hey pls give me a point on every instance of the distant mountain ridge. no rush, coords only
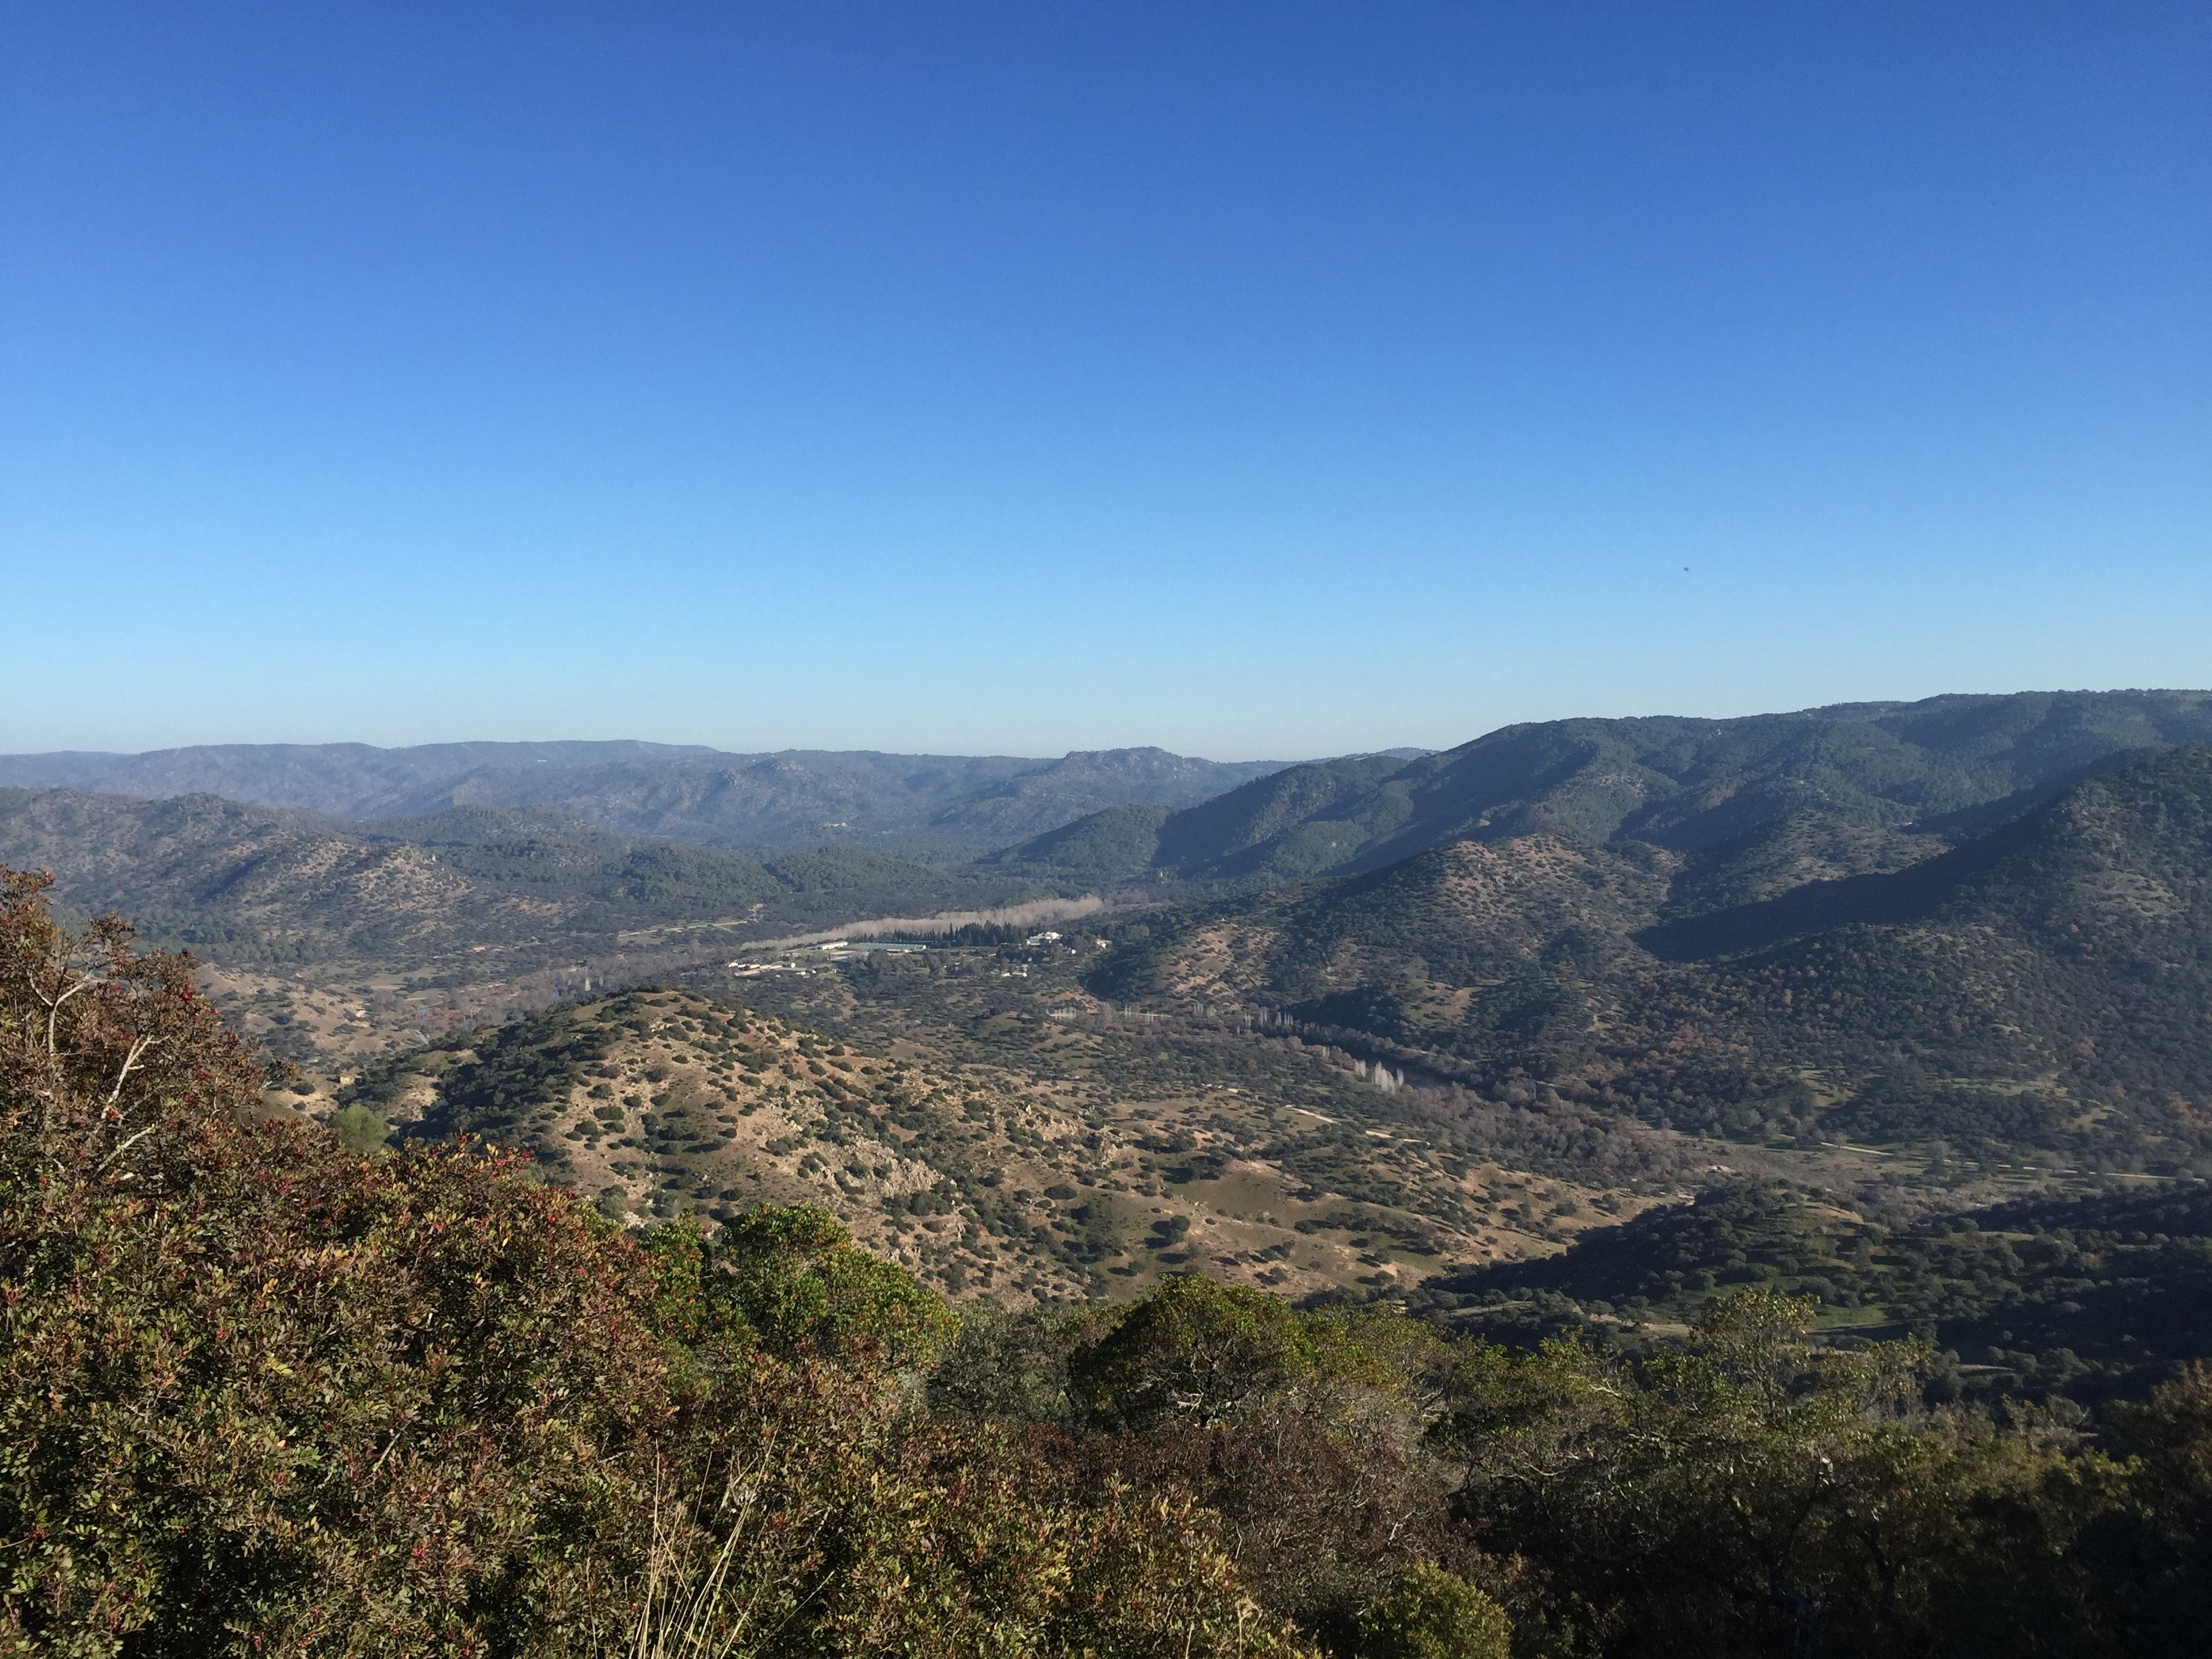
(256, 884)
(2044, 985)
(345, 780)
(1678, 783)
(943, 806)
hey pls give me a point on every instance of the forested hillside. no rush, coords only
(2087, 1298)
(1944, 765)
(2042, 988)
(248, 885)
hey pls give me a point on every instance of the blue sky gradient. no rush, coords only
(1254, 379)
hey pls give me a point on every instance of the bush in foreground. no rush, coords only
(261, 1394)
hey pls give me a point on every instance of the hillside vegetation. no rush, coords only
(246, 884)
(1944, 765)
(1023, 1165)
(2084, 1297)
(331, 938)
(2043, 987)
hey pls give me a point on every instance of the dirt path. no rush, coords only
(1013, 915)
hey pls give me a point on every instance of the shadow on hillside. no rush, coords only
(1816, 907)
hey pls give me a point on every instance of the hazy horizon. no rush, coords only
(1049, 754)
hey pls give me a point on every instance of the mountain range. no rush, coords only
(1985, 921)
(1949, 764)
(263, 885)
(2045, 984)
(935, 805)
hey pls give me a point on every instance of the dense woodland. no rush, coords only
(2080, 1299)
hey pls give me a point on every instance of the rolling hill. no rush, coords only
(2045, 985)
(1002, 1157)
(1952, 765)
(253, 885)
(944, 806)
(2087, 1295)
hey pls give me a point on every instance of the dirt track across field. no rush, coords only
(1013, 915)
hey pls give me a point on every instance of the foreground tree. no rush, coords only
(1430, 1614)
(261, 1394)
(1756, 1493)
(252, 1387)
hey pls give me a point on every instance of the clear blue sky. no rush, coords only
(1255, 379)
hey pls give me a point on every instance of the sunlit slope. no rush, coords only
(984, 1179)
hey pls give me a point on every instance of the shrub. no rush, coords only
(359, 1129)
(1433, 1614)
(254, 1386)
(260, 1393)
